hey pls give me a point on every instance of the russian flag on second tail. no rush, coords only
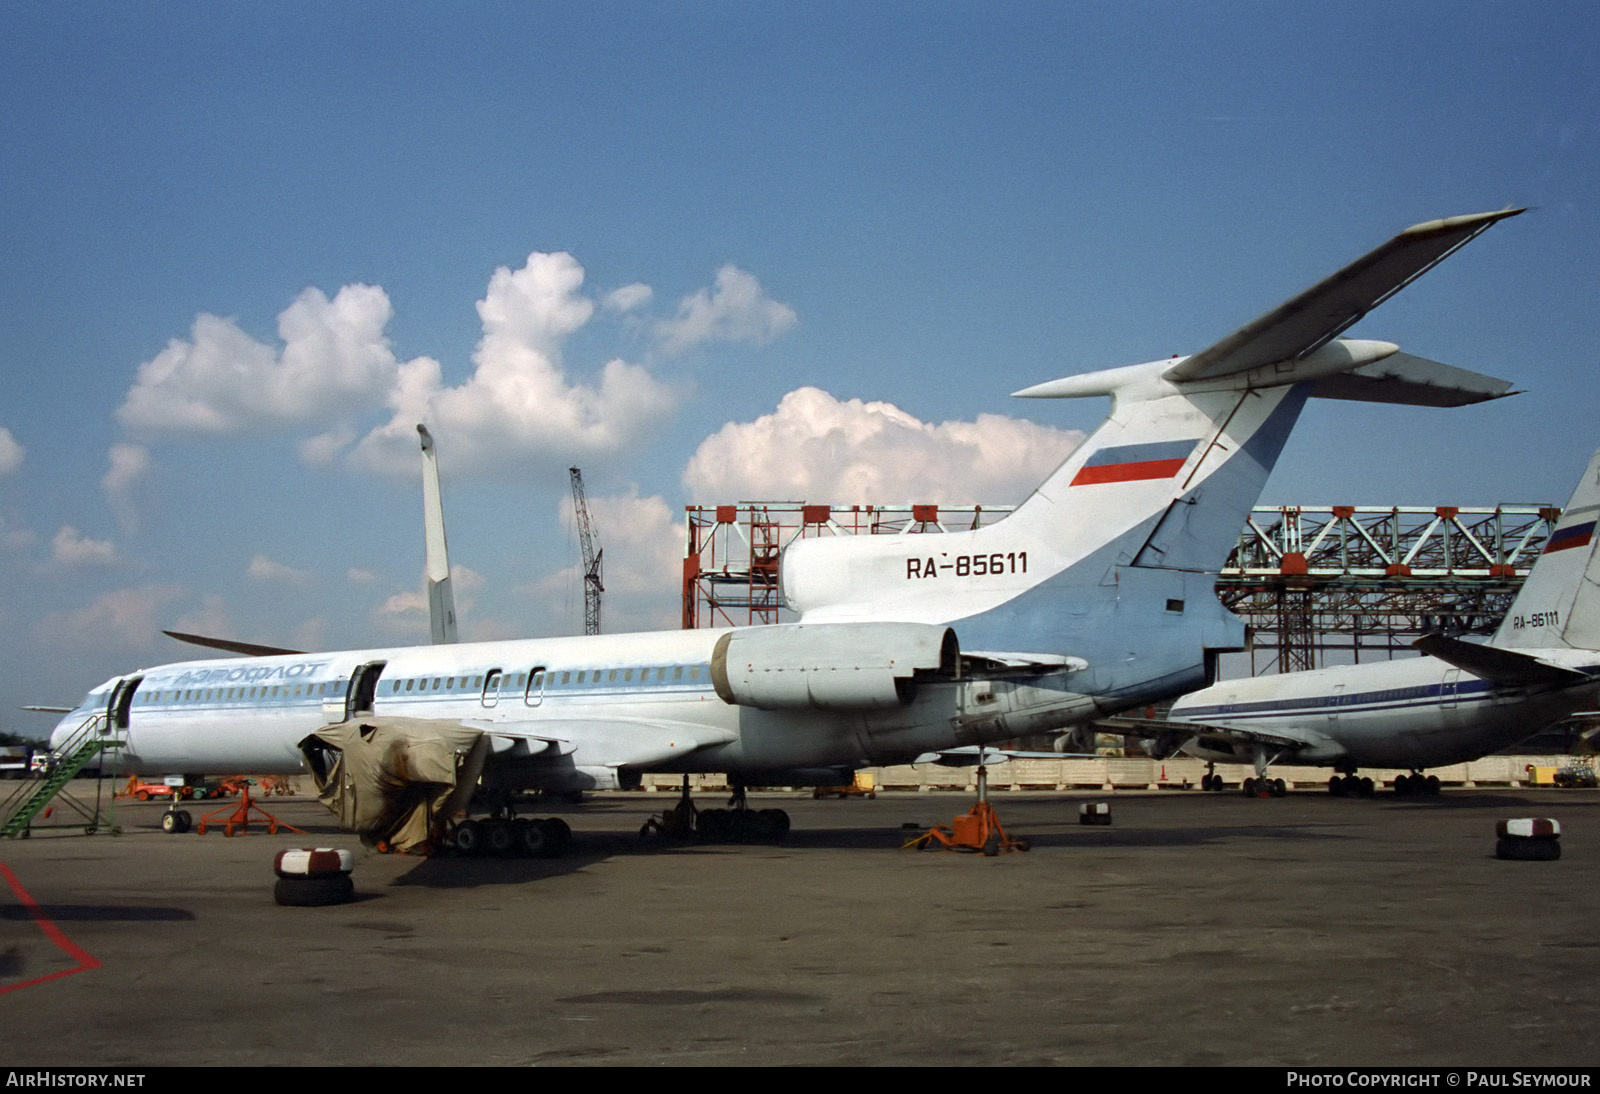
(1132, 462)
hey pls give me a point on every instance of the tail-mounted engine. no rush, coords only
(832, 666)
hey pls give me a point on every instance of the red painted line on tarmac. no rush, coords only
(85, 960)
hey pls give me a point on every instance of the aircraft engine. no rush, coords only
(831, 666)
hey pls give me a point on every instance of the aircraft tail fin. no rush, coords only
(441, 599)
(1559, 604)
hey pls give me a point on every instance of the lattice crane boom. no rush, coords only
(589, 539)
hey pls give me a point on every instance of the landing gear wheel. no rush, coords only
(1336, 786)
(498, 838)
(175, 822)
(1364, 787)
(1280, 789)
(469, 837)
(777, 822)
(532, 838)
(1432, 786)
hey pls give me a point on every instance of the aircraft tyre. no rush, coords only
(559, 833)
(532, 838)
(715, 825)
(311, 892)
(1336, 786)
(777, 822)
(469, 838)
(499, 838)
(176, 821)
(1279, 788)
(1364, 787)
(1527, 850)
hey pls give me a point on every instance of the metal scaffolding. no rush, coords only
(1315, 584)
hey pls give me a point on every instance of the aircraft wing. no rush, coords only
(973, 755)
(228, 644)
(1324, 311)
(1180, 732)
(1498, 665)
(624, 741)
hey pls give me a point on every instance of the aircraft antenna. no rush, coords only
(592, 552)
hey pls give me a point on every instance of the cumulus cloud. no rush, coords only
(628, 298)
(262, 568)
(123, 619)
(10, 452)
(519, 399)
(335, 359)
(643, 567)
(735, 309)
(127, 465)
(817, 448)
(69, 547)
(405, 613)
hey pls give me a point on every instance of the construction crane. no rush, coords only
(589, 538)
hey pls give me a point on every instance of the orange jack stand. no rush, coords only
(977, 830)
(237, 822)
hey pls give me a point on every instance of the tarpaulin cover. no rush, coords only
(388, 779)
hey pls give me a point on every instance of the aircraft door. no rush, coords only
(1334, 703)
(491, 689)
(363, 689)
(535, 693)
(119, 707)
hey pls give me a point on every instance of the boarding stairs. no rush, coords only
(89, 740)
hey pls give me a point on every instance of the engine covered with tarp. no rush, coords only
(390, 779)
(831, 666)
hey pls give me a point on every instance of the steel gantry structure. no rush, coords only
(1316, 584)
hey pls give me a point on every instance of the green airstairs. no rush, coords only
(88, 741)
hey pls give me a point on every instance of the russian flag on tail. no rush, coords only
(1574, 535)
(1132, 462)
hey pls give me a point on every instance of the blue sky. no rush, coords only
(244, 241)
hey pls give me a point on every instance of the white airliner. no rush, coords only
(1460, 702)
(1095, 595)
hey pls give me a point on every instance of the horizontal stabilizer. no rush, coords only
(1501, 666)
(250, 648)
(1415, 381)
(42, 709)
(1321, 313)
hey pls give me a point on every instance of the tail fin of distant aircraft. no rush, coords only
(441, 600)
(1559, 604)
(1111, 561)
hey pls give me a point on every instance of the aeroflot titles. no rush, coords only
(248, 675)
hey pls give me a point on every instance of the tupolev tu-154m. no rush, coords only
(1093, 596)
(1460, 701)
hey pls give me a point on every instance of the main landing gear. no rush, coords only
(1349, 785)
(1264, 787)
(1211, 780)
(736, 824)
(1417, 785)
(513, 837)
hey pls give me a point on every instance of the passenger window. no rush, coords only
(613, 677)
(694, 673)
(566, 677)
(627, 677)
(677, 673)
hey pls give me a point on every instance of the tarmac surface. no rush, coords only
(1196, 929)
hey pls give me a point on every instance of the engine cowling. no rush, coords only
(831, 666)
